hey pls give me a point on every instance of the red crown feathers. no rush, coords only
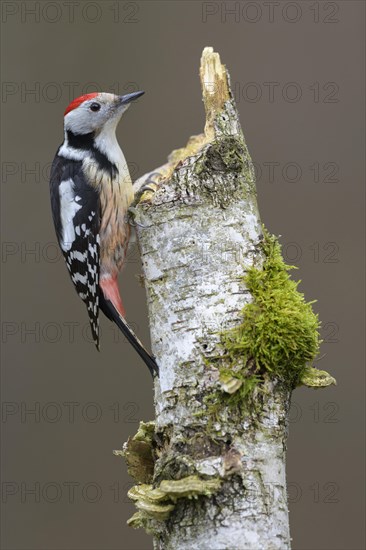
(79, 100)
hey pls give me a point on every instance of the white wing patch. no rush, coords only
(81, 256)
(68, 209)
(78, 278)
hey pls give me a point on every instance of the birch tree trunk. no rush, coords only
(210, 472)
(214, 483)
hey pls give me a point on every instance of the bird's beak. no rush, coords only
(124, 99)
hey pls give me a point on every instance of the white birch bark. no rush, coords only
(197, 235)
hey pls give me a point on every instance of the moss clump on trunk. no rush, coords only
(278, 337)
(279, 331)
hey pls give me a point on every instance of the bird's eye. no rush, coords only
(95, 107)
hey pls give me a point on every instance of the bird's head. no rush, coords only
(94, 112)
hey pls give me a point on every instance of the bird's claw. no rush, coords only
(143, 195)
(149, 186)
(148, 190)
(132, 212)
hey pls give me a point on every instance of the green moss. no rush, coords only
(277, 338)
(280, 331)
(239, 390)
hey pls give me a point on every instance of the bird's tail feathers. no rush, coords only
(112, 313)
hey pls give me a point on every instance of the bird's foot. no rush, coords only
(148, 190)
(144, 190)
(146, 186)
(132, 216)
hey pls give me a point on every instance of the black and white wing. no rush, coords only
(76, 215)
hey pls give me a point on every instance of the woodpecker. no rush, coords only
(91, 191)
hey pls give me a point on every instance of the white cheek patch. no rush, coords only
(68, 209)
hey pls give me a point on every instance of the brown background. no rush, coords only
(156, 46)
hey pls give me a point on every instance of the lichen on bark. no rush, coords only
(213, 481)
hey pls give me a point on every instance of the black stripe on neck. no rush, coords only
(86, 143)
(80, 141)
